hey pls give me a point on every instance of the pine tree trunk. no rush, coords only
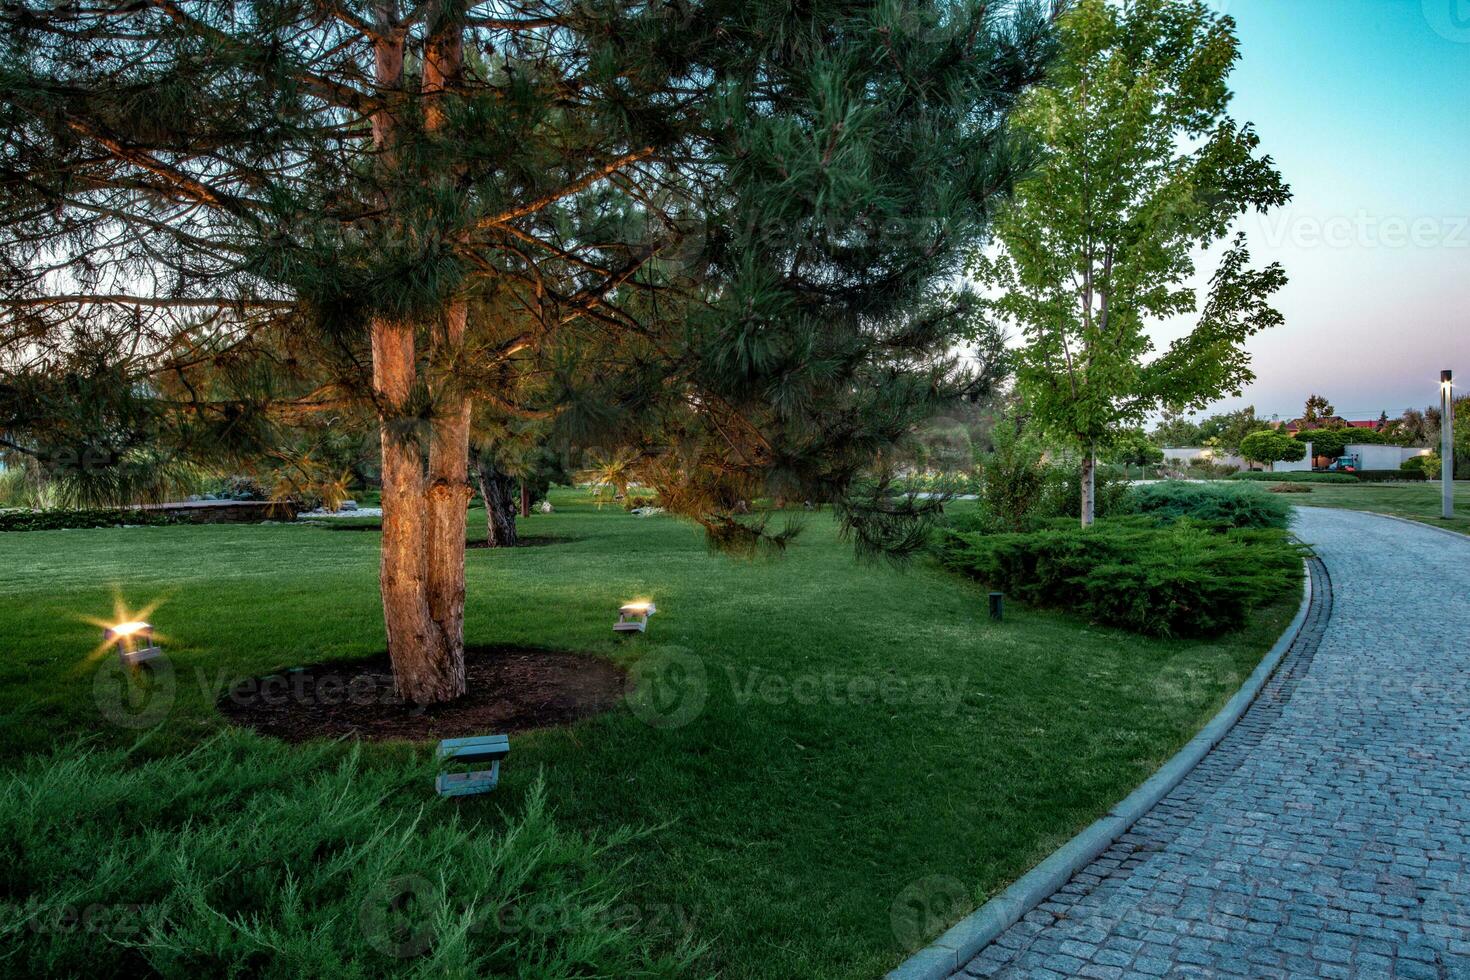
(424, 511)
(499, 493)
(1089, 487)
(421, 569)
(525, 500)
(448, 505)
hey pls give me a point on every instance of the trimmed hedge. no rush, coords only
(1213, 504)
(1181, 580)
(1378, 476)
(57, 520)
(1293, 476)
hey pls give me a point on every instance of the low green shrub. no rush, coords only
(1290, 488)
(939, 483)
(247, 857)
(1012, 481)
(1062, 492)
(1386, 476)
(1204, 469)
(1019, 491)
(1214, 504)
(1177, 580)
(1294, 476)
(56, 520)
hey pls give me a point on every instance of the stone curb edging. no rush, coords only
(964, 940)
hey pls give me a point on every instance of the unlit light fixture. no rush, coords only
(476, 748)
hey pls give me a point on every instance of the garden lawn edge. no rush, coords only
(962, 941)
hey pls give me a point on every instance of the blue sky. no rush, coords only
(1365, 106)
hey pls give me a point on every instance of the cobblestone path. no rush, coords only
(1328, 835)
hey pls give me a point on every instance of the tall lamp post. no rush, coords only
(1447, 442)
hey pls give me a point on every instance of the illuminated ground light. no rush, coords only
(633, 616)
(134, 642)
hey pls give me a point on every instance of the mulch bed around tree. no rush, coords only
(509, 689)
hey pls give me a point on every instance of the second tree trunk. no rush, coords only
(500, 494)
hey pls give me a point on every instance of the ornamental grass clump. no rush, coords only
(247, 857)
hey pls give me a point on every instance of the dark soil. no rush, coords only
(509, 689)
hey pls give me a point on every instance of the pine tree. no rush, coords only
(728, 222)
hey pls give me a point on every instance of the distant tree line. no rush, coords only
(1319, 424)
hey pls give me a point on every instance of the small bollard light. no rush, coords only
(134, 640)
(633, 617)
(997, 606)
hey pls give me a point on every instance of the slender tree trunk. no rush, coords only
(1089, 486)
(499, 493)
(448, 501)
(525, 500)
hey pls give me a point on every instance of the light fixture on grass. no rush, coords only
(476, 748)
(633, 617)
(134, 641)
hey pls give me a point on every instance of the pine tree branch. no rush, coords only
(560, 253)
(503, 24)
(16, 447)
(191, 187)
(591, 296)
(120, 299)
(580, 184)
(332, 92)
(347, 17)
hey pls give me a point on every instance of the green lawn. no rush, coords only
(862, 728)
(1416, 501)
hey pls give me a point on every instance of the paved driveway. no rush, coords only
(1329, 833)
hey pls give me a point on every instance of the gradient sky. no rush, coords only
(1365, 106)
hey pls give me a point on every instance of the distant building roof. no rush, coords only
(1331, 422)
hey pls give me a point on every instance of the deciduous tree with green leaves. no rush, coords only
(1267, 447)
(1330, 443)
(1229, 429)
(1133, 448)
(1141, 166)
